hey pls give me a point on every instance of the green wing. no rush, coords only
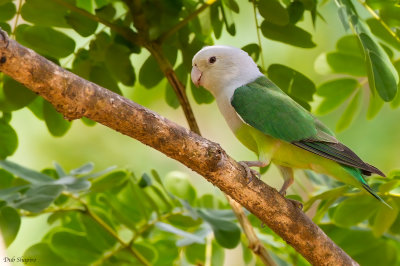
(264, 106)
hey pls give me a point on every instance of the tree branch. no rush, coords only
(75, 97)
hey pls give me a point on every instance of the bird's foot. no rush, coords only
(250, 173)
(296, 203)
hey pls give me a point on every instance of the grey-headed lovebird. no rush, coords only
(271, 124)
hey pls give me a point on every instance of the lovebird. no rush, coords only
(271, 124)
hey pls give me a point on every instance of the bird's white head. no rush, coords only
(218, 67)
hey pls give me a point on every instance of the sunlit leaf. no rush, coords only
(335, 92)
(25, 173)
(45, 40)
(81, 24)
(55, 122)
(51, 13)
(179, 185)
(119, 64)
(273, 12)
(355, 210)
(384, 218)
(74, 247)
(9, 224)
(44, 255)
(226, 233)
(350, 112)
(8, 140)
(289, 34)
(7, 11)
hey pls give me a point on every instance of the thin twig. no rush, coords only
(258, 35)
(387, 28)
(111, 231)
(255, 244)
(17, 18)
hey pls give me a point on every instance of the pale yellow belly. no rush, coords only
(279, 152)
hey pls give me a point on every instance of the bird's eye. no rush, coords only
(212, 59)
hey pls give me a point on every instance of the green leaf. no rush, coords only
(84, 169)
(100, 75)
(44, 255)
(55, 122)
(16, 94)
(167, 252)
(296, 11)
(226, 232)
(6, 27)
(106, 182)
(7, 11)
(44, 13)
(228, 21)
(36, 107)
(218, 254)
(384, 218)
(73, 184)
(195, 254)
(25, 173)
(391, 15)
(183, 221)
(119, 64)
(232, 5)
(295, 84)
(380, 77)
(362, 246)
(350, 112)
(170, 96)
(289, 34)
(349, 44)
(188, 236)
(38, 198)
(179, 185)
(74, 247)
(81, 24)
(98, 237)
(6, 179)
(355, 210)
(253, 50)
(201, 95)
(344, 63)
(147, 251)
(8, 140)
(380, 31)
(335, 92)
(86, 5)
(107, 12)
(46, 41)
(273, 12)
(9, 224)
(216, 22)
(150, 73)
(375, 105)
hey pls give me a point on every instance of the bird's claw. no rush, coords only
(250, 173)
(296, 203)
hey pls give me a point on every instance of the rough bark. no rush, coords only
(75, 97)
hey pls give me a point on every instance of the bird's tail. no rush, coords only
(357, 174)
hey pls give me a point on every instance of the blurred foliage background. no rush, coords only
(340, 57)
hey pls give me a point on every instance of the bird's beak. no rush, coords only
(196, 76)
